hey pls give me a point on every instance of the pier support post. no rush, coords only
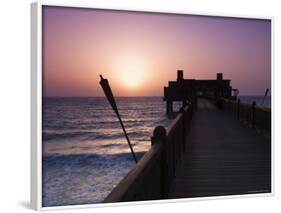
(253, 114)
(183, 103)
(169, 107)
(183, 127)
(160, 136)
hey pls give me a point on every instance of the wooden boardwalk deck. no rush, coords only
(223, 157)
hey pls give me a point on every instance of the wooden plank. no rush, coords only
(222, 157)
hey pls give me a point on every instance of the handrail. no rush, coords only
(176, 120)
(174, 124)
(123, 190)
(151, 177)
(255, 116)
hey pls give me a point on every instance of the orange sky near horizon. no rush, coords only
(140, 52)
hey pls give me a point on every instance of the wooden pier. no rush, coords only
(223, 157)
(215, 146)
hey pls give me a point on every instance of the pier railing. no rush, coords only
(151, 177)
(250, 114)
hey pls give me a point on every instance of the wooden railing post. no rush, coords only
(238, 109)
(160, 136)
(183, 127)
(253, 114)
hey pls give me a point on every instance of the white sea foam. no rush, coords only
(82, 179)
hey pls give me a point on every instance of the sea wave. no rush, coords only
(88, 159)
(82, 179)
(82, 136)
(85, 152)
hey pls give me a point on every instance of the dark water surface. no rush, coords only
(85, 153)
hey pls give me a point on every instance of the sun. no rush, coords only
(132, 77)
(132, 82)
(132, 72)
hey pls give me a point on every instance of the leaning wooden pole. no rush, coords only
(109, 95)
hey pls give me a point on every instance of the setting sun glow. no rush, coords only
(140, 52)
(132, 72)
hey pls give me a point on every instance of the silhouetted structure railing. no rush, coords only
(250, 114)
(151, 177)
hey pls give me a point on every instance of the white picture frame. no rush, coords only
(36, 100)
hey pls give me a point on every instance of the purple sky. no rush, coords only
(140, 52)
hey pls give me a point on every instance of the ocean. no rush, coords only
(85, 153)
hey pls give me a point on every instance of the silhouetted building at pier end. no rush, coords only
(186, 90)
